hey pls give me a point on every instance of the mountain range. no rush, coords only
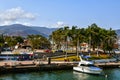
(118, 32)
(23, 30)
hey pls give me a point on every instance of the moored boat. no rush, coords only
(87, 67)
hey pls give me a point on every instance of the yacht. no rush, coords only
(87, 67)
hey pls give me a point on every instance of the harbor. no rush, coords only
(32, 66)
(113, 74)
(35, 66)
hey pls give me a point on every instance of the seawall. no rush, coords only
(34, 67)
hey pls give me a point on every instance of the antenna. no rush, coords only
(81, 58)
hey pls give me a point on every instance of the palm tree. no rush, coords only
(65, 36)
(109, 40)
(73, 36)
(96, 37)
(77, 36)
(80, 38)
(60, 36)
(93, 33)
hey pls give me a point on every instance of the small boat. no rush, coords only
(87, 67)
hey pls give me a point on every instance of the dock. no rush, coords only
(37, 66)
(32, 66)
(108, 65)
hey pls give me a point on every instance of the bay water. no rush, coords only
(111, 74)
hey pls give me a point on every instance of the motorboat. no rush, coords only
(87, 67)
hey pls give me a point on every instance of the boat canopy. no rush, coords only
(86, 62)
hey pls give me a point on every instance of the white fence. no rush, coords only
(104, 60)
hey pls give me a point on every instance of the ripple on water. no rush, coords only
(113, 74)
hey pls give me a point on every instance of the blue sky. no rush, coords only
(57, 13)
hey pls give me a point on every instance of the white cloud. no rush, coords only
(59, 24)
(15, 14)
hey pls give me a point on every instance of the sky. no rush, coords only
(59, 13)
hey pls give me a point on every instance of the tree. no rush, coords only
(19, 39)
(57, 37)
(93, 32)
(66, 36)
(109, 39)
(96, 37)
(38, 42)
(1, 40)
(73, 35)
(10, 41)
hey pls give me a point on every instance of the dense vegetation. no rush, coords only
(97, 37)
(38, 42)
(35, 41)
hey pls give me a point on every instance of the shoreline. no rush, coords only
(32, 66)
(22, 69)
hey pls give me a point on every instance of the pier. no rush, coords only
(108, 65)
(35, 66)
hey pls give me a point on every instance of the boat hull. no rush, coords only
(87, 70)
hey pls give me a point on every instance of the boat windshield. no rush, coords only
(89, 65)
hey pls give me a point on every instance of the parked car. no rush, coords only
(47, 51)
(61, 51)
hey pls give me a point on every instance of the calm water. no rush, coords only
(113, 74)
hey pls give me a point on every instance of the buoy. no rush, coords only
(106, 75)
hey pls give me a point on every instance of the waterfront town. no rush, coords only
(60, 52)
(59, 40)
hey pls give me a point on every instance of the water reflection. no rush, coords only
(113, 74)
(84, 76)
(80, 76)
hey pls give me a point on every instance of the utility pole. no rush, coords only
(78, 47)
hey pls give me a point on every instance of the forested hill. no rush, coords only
(118, 32)
(23, 30)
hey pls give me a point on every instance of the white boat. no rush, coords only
(87, 67)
